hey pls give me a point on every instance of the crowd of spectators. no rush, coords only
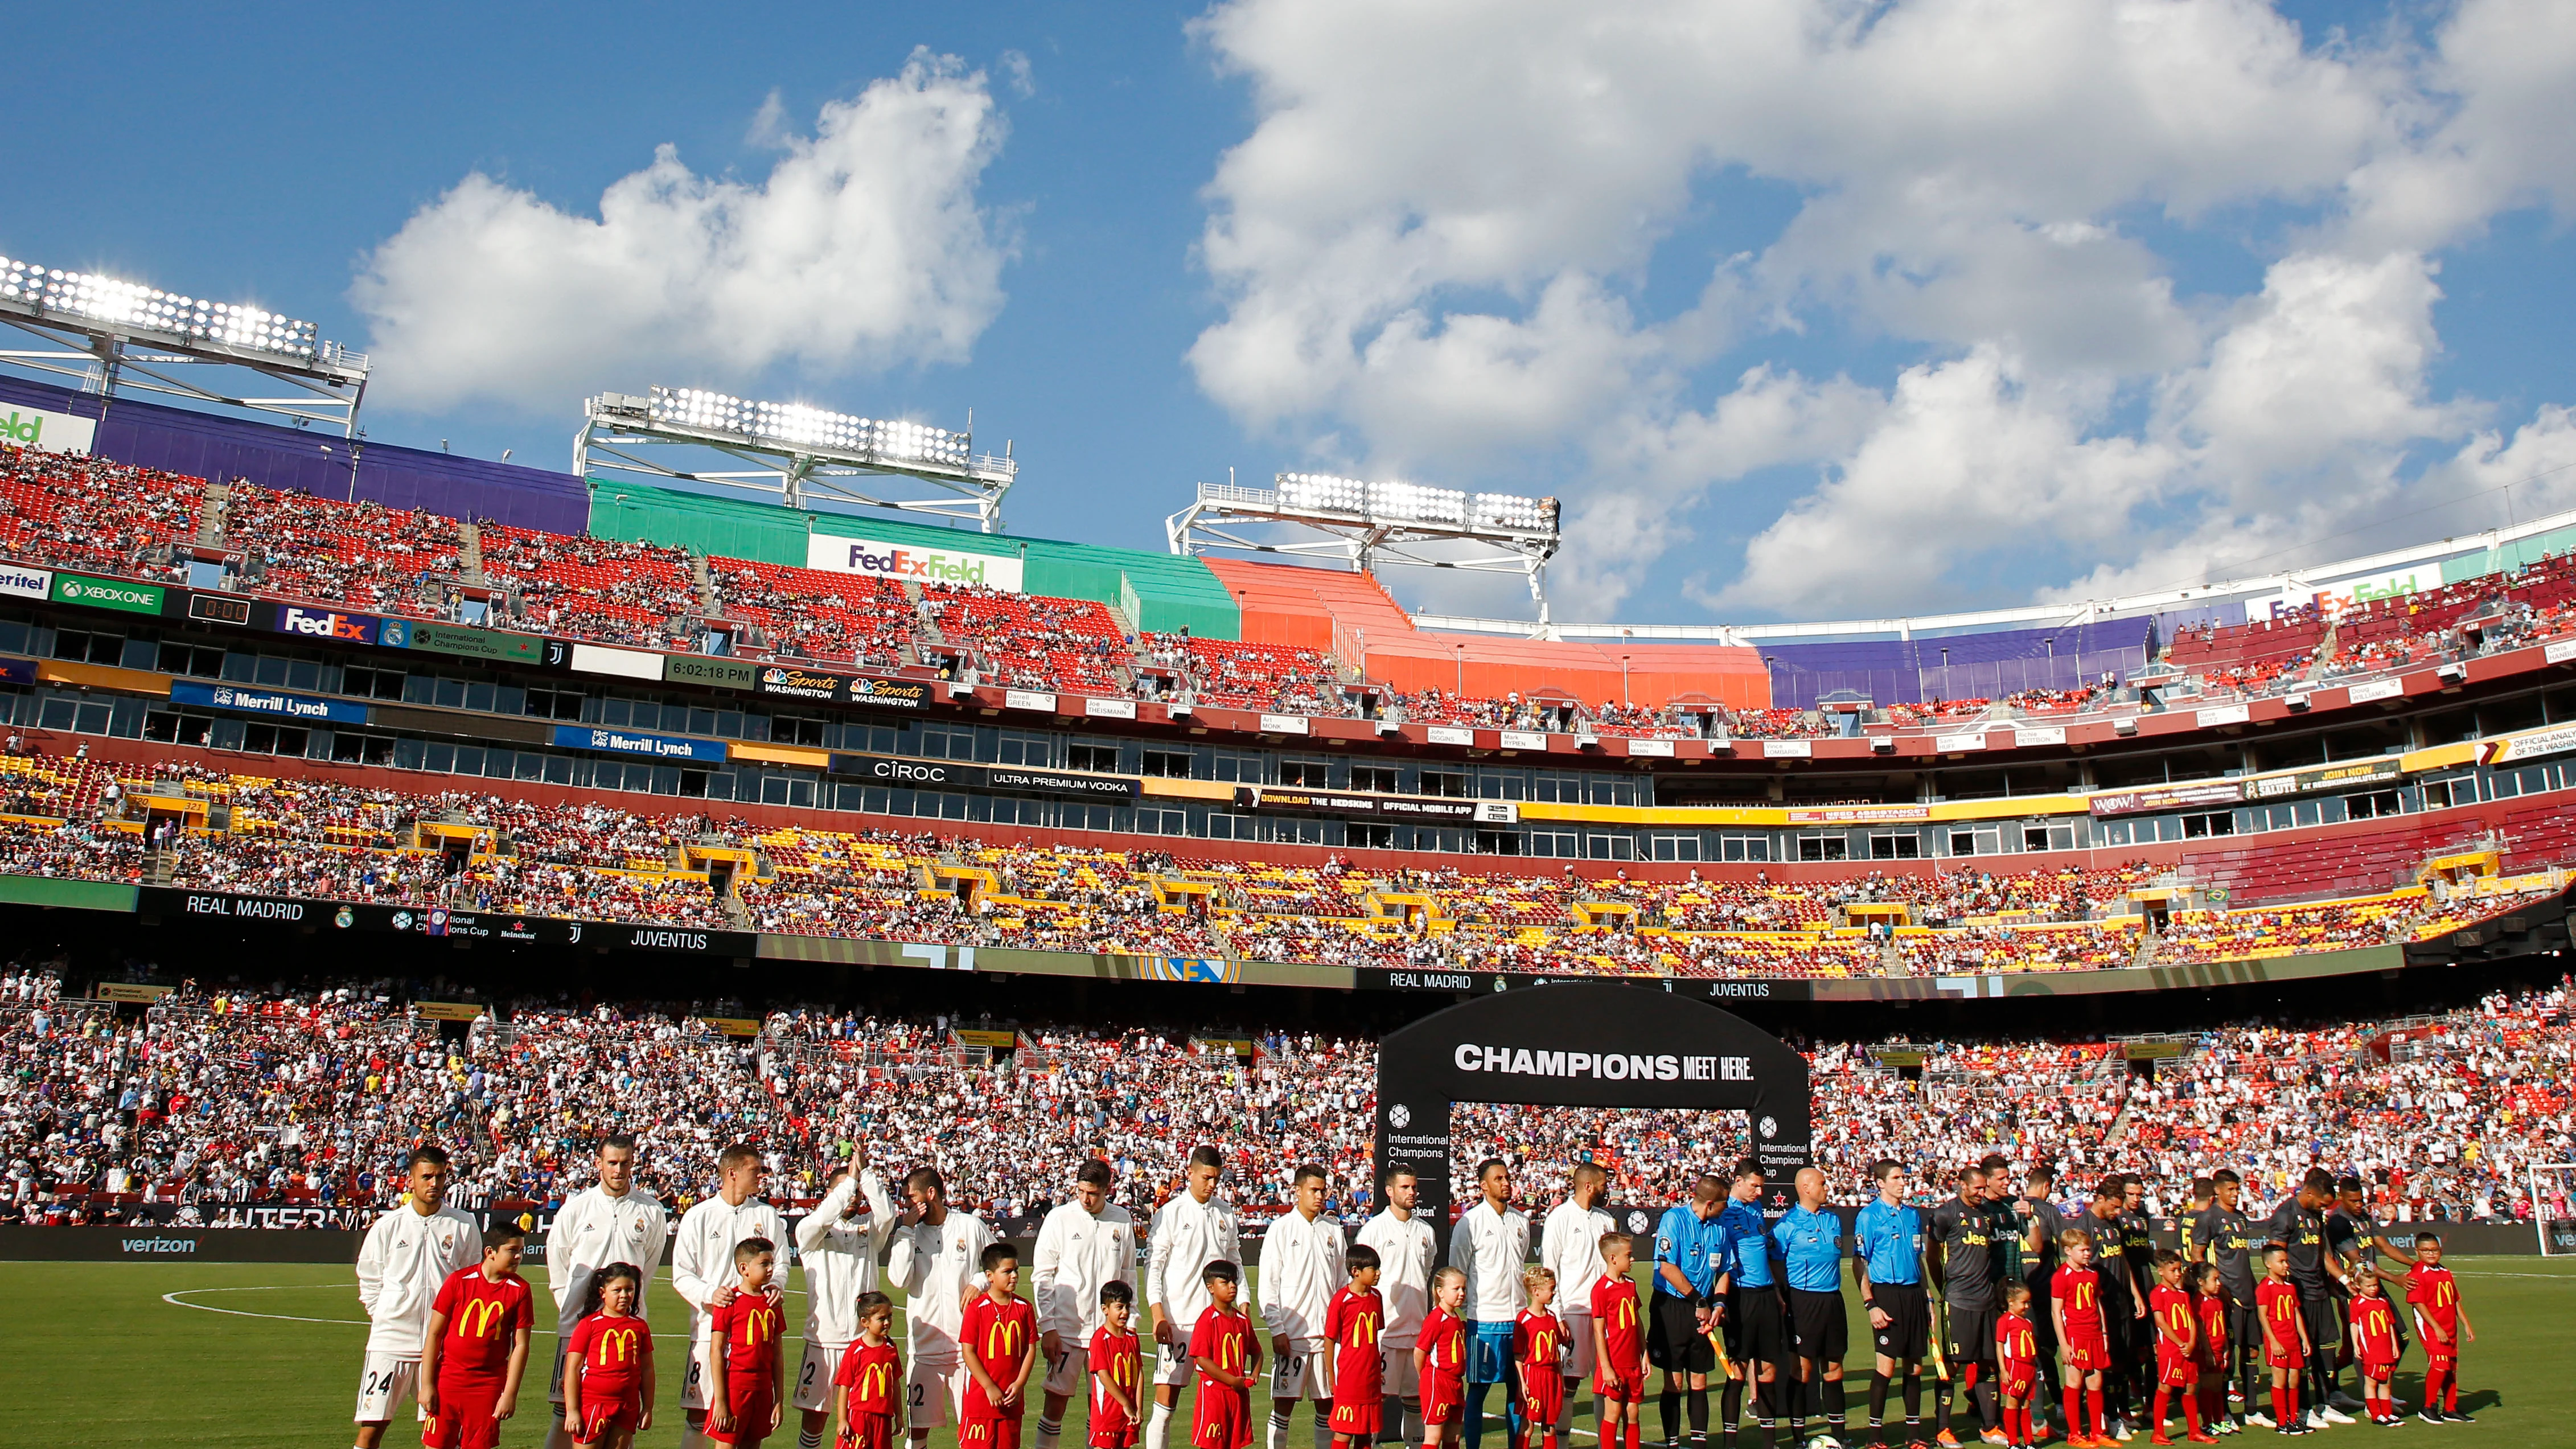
(235, 1093)
(359, 554)
(68, 510)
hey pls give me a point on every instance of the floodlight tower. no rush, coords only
(796, 452)
(114, 336)
(1367, 524)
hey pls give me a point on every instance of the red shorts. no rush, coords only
(1356, 1417)
(1222, 1417)
(465, 1419)
(994, 1432)
(2018, 1383)
(752, 1399)
(1542, 1394)
(1110, 1431)
(2175, 1369)
(2288, 1355)
(2378, 1369)
(2087, 1352)
(1630, 1390)
(1444, 1397)
(607, 1408)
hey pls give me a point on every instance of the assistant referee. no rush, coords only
(1690, 1253)
(1888, 1269)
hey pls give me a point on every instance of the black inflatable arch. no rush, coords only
(1586, 1044)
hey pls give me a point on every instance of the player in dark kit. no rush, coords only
(1963, 1263)
(2225, 1238)
(2041, 1222)
(2299, 1226)
(2123, 1299)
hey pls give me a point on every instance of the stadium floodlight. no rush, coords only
(1367, 523)
(114, 321)
(797, 450)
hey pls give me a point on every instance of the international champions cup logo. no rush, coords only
(1398, 1116)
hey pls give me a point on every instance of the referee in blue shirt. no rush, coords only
(1889, 1272)
(1752, 1320)
(1690, 1256)
(1811, 1248)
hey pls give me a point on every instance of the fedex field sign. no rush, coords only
(908, 562)
(47, 432)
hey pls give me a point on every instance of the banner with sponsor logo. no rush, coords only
(130, 991)
(2512, 749)
(463, 641)
(27, 427)
(332, 624)
(438, 921)
(1273, 800)
(2167, 797)
(2335, 777)
(1856, 814)
(890, 693)
(21, 582)
(794, 683)
(742, 1027)
(679, 749)
(276, 703)
(17, 671)
(1000, 1041)
(912, 562)
(100, 593)
(911, 774)
(467, 1011)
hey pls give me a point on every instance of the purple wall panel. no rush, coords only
(1978, 665)
(205, 445)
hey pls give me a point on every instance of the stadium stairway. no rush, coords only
(469, 554)
(210, 515)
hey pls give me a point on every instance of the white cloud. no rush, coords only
(1429, 250)
(863, 249)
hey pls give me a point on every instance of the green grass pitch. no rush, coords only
(106, 1354)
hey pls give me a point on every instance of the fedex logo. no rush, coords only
(903, 563)
(326, 624)
(885, 559)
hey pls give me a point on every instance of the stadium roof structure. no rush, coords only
(114, 336)
(801, 454)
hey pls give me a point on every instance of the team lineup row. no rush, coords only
(2024, 1300)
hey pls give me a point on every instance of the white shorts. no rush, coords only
(1069, 1373)
(1299, 1373)
(935, 1394)
(555, 1385)
(1399, 1381)
(693, 1384)
(1578, 1345)
(814, 1376)
(1172, 1363)
(383, 1384)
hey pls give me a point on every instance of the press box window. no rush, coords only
(364, 682)
(1905, 845)
(1306, 774)
(1168, 764)
(1380, 778)
(1823, 847)
(1445, 784)
(2195, 827)
(1676, 847)
(1099, 759)
(2049, 837)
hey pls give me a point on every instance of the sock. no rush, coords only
(2074, 1408)
(1049, 1430)
(2163, 1409)
(1565, 1409)
(2451, 1392)
(1766, 1404)
(1324, 1427)
(1913, 1394)
(1632, 1427)
(1597, 1420)
(1877, 1398)
(2190, 1414)
(1670, 1401)
(806, 1439)
(1699, 1416)
(691, 1437)
(1834, 1405)
(1158, 1426)
(1941, 1389)
(2093, 1410)
(1414, 1430)
(1730, 1407)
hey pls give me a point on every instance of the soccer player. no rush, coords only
(1538, 1350)
(746, 1372)
(1354, 1330)
(1301, 1269)
(1227, 1355)
(1964, 1268)
(2075, 1302)
(611, 1221)
(838, 1243)
(1751, 1317)
(2225, 1238)
(867, 1388)
(1689, 1249)
(608, 1388)
(1000, 1338)
(2375, 1347)
(1440, 1357)
(1618, 1345)
(2209, 1308)
(2177, 1351)
(2285, 1338)
(1191, 1230)
(1405, 1246)
(1491, 1242)
(410, 1252)
(706, 1270)
(1887, 1267)
(2442, 1323)
(2138, 1252)
(480, 1328)
(1810, 1239)
(1083, 1246)
(2016, 1364)
(2354, 1238)
(2299, 1226)
(1569, 1243)
(2040, 1220)
(1117, 1372)
(2123, 1298)
(933, 1261)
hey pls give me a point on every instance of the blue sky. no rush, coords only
(1808, 311)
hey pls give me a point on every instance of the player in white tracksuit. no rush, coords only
(1191, 1230)
(611, 1221)
(837, 1242)
(702, 1270)
(409, 1251)
(938, 1262)
(1301, 1269)
(1082, 1245)
(1406, 1248)
(1569, 1245)
(1490, 1243)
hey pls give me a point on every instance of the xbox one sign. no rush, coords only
(46, 432)
(912, 563)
